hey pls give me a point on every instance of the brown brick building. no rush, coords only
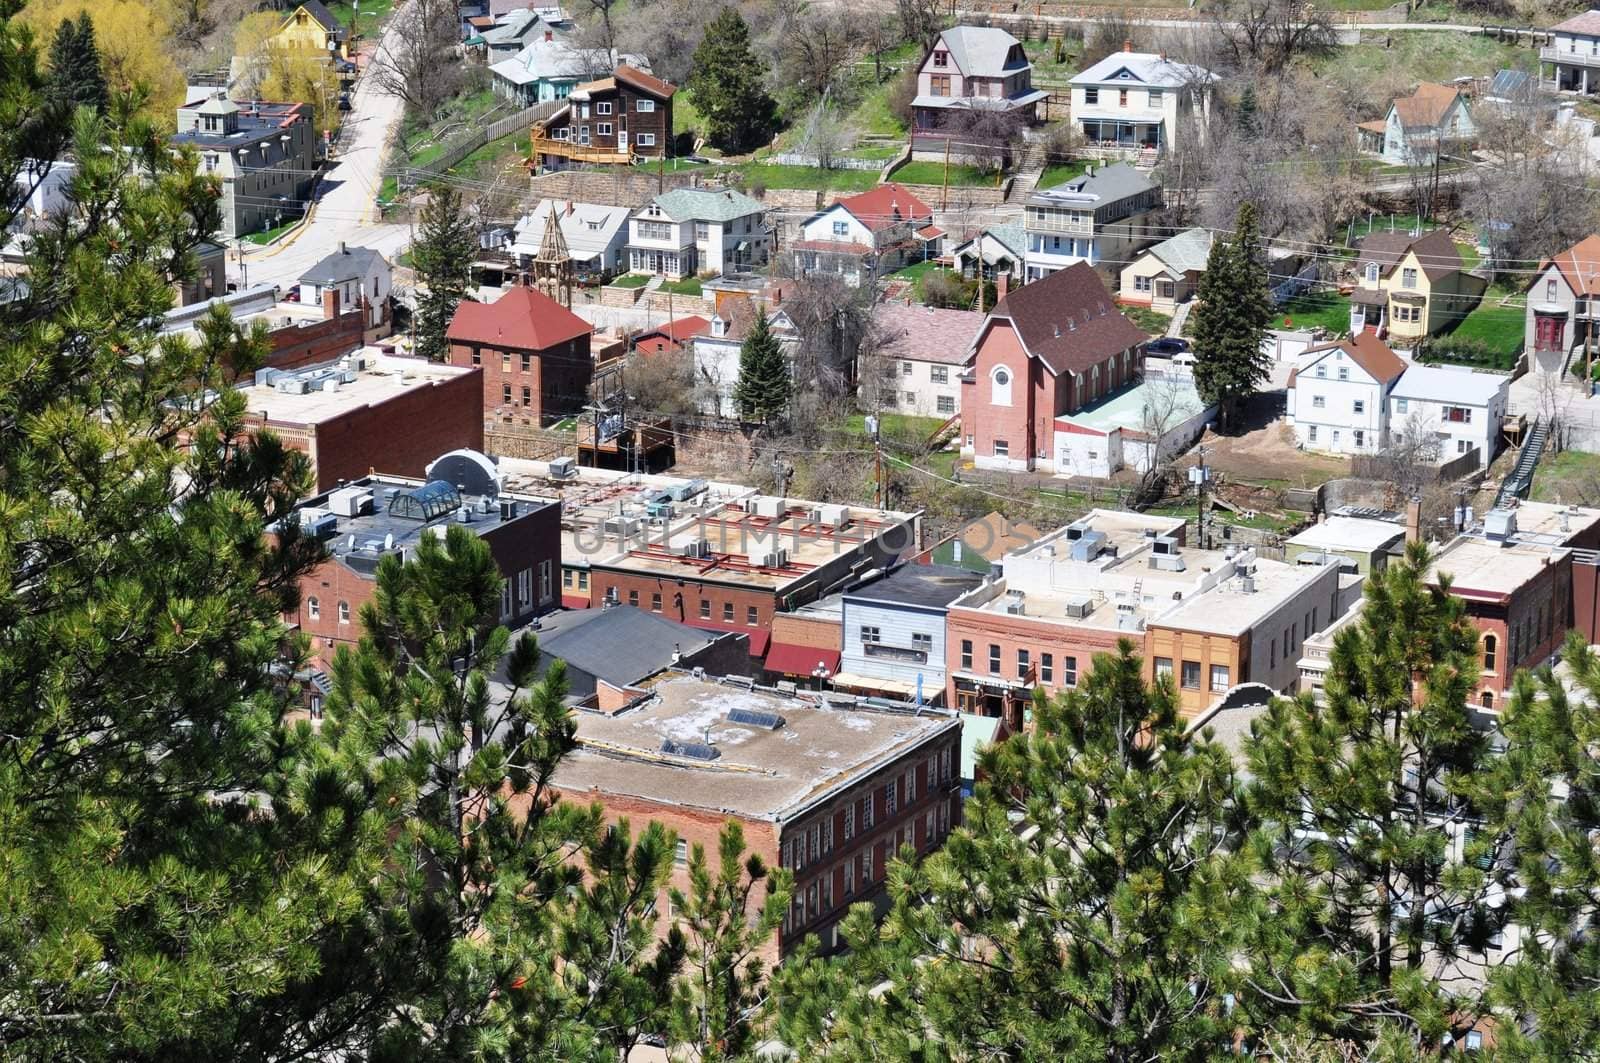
(612, 120)
(533, 351)
(830, 791)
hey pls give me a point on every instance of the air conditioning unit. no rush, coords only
(770, 507)
(1016, 607)
(775, 559)
(318, 523)
(1165, 544)
(563, 469)
(834, 516)
(625, 527)
(1078, 606)
(695, 548)
(290, 385)
(685, 491)
(350, 501)
(508, 509)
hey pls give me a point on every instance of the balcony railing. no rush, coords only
(1553, 54)
(1052, 223)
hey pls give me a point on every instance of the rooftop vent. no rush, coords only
(1078, 606)
(767, 721)
(563, 469)
(692, 750)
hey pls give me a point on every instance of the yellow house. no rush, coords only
(312, 28)
(1411, 287)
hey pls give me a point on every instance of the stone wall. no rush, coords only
(509, 440)
(612, 186)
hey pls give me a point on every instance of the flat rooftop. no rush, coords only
(1349, 533)
(1489, 569)
(1237, 603)
(758, 773)
(1553, 523)
(927, 586)
(1164, 401)
(334, 388)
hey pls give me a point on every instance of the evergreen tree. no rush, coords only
(1231, 319)
(1085, 911)
(726, 925)
(1546, 790)
(1248, 117)
(158, 871)
(727, 85)
(763, 389)
(447, 242)
(1381, 899)
(77, 78)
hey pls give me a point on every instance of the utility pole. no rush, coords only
(944, 191)
(880, 492)
(1199, 476)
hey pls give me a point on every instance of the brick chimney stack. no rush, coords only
(330, 303)
(1127, 44)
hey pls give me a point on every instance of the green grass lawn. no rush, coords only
(769, 175)
(933, 173)
(489, 160)
(902, 426)
(687, 286)
(875, 152)
(1469, 255)
(685, 116)
(914, 272)
(1423, 55)
(1501, 328)
(669, 165)
(366, 22)
(1382, 223)
(1328, 309)
(1058, 172)
(269, 235)
(631, 280)
(1570, 476)
(1152, 321)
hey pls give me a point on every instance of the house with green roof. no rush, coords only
(690, 231)
(1168, 273)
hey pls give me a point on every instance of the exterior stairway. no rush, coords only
(1516, 485)
(1028, 171)
(1179, 316)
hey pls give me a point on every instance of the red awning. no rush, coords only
(787, 659)
(759, 637)
(575, 601)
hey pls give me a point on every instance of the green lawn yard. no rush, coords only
(1326, 308)
(934, 173)
(1499, 327)
(1152, 321)
(687, 286)
(1058, 172)
(269, 235)
(366, 21)
(768, 175)
(1570, 476)
(631, 280)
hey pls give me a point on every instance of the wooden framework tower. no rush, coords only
(552, 266)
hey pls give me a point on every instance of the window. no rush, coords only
(680, 855)
(1155, 97)
(1001, 449)
(1400, 405)
(849, 877)
(1318, 402)
(966, 655)
(841, 228)
(727, 612)
(705, 608)
(945, 404)
(939, 374)
(1091, 96)
(316, 707)
(752, 616)
(603, 107)
(702, 230)
(866, 812)
(655, 602)
(994, 658)
(1489, 646)
(890, 793)
(1219, 678)
(1322, 370)
(583, 579)
(1163, 666)
(940, 58)
(505, 394)
(1141, 284)
(525, 587)
(1358, 406)
(1408, 278)
(1047, 667)
(1191, 675)
(1000, 386)
(313, 608)
(939, 85)
(1069, 671)
(1361, 438)
(869, 635)
(1458, 414)
(1550, 291)
(527, 396)
(1311, 434)
(1022, 664)
(505, 361)
(1122, 97)
(527, 362)
(645, 140)
(1372, 273)
(505, 599)
(633, 598)
(908, 397)
(1344, 372)
(546, 580)
(922, 642)
(477, 356)
(344, 612)
(644, 106)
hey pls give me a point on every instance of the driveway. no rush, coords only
(345, 200)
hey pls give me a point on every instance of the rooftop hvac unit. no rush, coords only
(1165, 544)
(685, 491)
(289, 385)
(658, 510)
(464, 514)
(1087, 546)
(1015, 607)
(1079, 606)
(563, 469)
(1500, 524)
(775, 559)
(508, 509)
(626, 527)
(350, 501)
(1168, 562)
(695, 548)
(834, 516)
(766, 506)
(318, 523)
(1076, 530)
(1248, 584)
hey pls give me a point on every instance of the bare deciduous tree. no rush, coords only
(1267, 34)
(921, 20)
(833, 320)
(424, 67)
(821, 44)
(983, 132)
(661, 383)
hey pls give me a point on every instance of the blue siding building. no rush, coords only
(894, 631)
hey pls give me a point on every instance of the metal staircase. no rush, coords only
(1517, 484)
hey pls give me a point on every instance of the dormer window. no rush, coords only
(1372, 273)
(940, 59)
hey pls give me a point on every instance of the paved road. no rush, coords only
(345, 205)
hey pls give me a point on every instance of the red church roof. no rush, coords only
(523, 319)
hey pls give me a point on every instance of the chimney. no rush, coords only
(1414, 519)
(570, 208)
(1163, 54)
(1002, 284)
(342, 251)
(549, 36)
(330, 303)
(1127, 45)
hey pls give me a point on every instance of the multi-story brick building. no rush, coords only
(374, 517)
(369, 411)
(823, 785)
(1048, 349)
(534, 353)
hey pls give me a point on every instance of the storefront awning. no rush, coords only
(788, 659)
(896, 687)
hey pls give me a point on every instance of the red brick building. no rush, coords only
(831, 793)
(370, 411)
(673, 336)
(1048, 349)
(533, 351)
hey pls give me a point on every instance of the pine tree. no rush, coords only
(1231, 319)
(77, 78)
(1086, 911)
(726, 924)
(1380, 909)
(763, 389)
(727, 85)
(1546, 790)
(158, 875)
(1248, 117)
(442, 258)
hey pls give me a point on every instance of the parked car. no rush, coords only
(1167, 345)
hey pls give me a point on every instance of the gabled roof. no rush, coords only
(885, 205)
(1013, 237)
(1587, 23)
(1187, 252)
(1436, 252)
(699, 204)
(1365, 350)
(317, 10)
(559, 59)
(1579, 266)
(926, 334)
(1454, 385)
(522, 319)
(589, 228)
(1068, 321)
(1427, 106)
(647, 83)
(677, 330)
(981, 51)
(347, 263)
(1146, 68)
(620, 645)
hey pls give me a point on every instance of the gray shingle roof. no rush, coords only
(1187, 251)
(699, 204)
(980, 50)
(620, 645)
(1146, 68)
(349, 263)
(1107, 184)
